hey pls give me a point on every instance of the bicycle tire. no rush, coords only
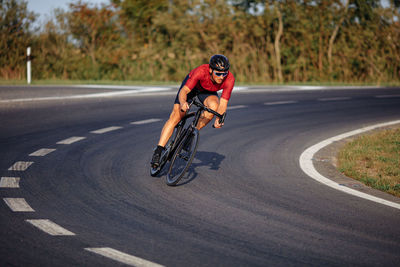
(164, 158)
(183, 157)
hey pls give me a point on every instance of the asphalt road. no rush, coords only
(246, 201)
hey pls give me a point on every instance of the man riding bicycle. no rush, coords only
(203, 82)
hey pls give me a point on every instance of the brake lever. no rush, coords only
(221, 120)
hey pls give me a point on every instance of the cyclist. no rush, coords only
(203, 81)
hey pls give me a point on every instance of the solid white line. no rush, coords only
(117, 87)
(387, 96)
(240, 88)
(18, 205)
(306, 164)
(236, 107)
(279, 103)
(108, 94)
(309, 87)
(70, 140)
(145, 121)
(50, 227)
(20, 166)
(334, 98)
(9, 182)
(123, 257)
(42, 152)
(106, 130)
(153, 89)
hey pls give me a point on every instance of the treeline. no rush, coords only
(266, 41)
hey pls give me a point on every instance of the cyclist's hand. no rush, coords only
(217, 124)
(184, 107)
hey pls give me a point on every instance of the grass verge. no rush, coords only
(374, 159)
(238, 83)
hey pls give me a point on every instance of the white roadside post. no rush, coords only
(28, 64)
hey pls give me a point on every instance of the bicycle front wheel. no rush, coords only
(183, 157)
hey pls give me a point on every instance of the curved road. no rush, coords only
(81, 188)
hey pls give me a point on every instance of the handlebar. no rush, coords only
(200, 105)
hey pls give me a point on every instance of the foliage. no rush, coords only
(265, 40)
(15, 37)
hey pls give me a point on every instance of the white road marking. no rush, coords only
(145, 121)
(154, 89)
(108, 94)
(387, 96)
(70, 140)
(279, 103)
(106, 130)
(240, 88)
(9, 182)
(50, 227)
(309, 87)
(123, 257)
(20, 166)
(306, 164)
(236, 107)
(18, 205)
(124, 87)
(334, 98)
(42, 152)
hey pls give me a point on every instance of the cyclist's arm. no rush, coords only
(223, 105)
(183, 98)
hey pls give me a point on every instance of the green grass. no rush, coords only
(238, 83)
(79, 82)
(374, 159)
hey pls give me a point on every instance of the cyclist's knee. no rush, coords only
(176, 116)
(207, 115)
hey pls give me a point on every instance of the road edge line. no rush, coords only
(307, 165)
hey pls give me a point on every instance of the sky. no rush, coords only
(45, 7)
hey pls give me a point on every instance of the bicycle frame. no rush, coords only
(181, 131)
(197, 115)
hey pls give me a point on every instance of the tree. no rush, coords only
(15, 37)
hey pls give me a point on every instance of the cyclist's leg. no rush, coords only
(212, 101)
(174, 118)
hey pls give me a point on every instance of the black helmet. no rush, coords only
(219, 62)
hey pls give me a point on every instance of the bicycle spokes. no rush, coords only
(183, 157)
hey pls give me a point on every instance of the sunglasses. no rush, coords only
(223, 74)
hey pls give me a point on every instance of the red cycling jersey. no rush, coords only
(199, 78)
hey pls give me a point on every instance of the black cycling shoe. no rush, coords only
(155, 160)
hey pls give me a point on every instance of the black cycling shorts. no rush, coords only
(201, 95)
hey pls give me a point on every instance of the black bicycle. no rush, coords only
(182, 147)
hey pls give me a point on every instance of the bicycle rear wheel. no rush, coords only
(183, 157)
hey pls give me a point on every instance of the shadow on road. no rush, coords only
(202, 159)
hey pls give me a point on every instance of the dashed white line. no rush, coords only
(70, 140)
(50, 227)
(279, 103)
(334, 98)
(42, 152)
(106, 130)
(20, 166)
(306, 164)
(18, 205)
(123, 257)
(9, 182)
(387, 96)
(236, 107)
(145, 121)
